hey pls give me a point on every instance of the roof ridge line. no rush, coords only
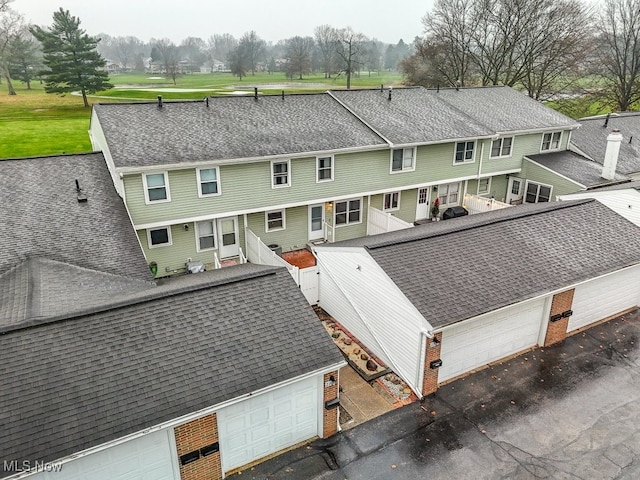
(140, 298)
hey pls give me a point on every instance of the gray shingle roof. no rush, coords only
(591, 139)
(40, 216)
(231, 127)
(461, 268)
(413, 115)
(40, 288)
(163, 354)
(576, 167)
(503, 109)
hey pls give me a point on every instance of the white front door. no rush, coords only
(422, 209)
(515, 190)
(229, 242)
(316, 221)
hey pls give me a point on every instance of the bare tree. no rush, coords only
(619, 51)
(350, 48)
(11, 24)
(253, 49)
(298, 55)
(326, 38)
(126, 49)
(168, 53)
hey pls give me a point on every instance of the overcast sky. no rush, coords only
(272, 20)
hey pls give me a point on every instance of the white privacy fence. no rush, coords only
(382, 222)
(475, 204)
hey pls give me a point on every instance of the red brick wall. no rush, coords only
(330, 417)
(430, 378)
(557, 331)
(193, 436)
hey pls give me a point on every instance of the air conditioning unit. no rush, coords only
(195, 267)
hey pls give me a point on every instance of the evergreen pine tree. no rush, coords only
(71, 57)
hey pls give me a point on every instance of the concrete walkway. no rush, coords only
(360, 399)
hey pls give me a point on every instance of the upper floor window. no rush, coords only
(156, 187)
(159, 237)
(275, 220)
(403, 159)
(206, 233)
(449, 194)
(501, 147)
(348, 212)
(391, 201)
(551, 141)
(208, 182)
(537, 192)
(464, 152)
(280, 176)
(324, 167)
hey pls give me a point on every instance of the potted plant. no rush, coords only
(435, 210)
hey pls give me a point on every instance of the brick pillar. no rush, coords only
(430, 378)
(330, 417)
(192, 437)
(557, 330)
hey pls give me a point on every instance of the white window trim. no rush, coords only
(447, 205)
(393, 209)
(502, 139)
(288, 184)
(559, 141)
(465, 162)
(168, 228)
(335, 212)
(318, 168)
(403, 169)
(146, 187)
(203, 195)
(284, 220)
(215, 236)
(540, 184)
(488, 186)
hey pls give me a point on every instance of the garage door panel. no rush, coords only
(480, 341)
(263, 424)
(603, 297)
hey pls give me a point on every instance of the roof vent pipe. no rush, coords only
(283, 94)
(206, 101)
(606, 121)
(611, 155)
(255, 93)
(381, 87)
(159, 101)
(438, 88)
(82, 198)
(390, 89)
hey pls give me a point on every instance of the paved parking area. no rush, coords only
(570, 411)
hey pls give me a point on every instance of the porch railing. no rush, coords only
(476, 204)
(329, 233)
(382, 222)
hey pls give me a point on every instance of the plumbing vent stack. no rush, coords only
(159, 101)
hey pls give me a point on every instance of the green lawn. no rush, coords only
(34, 123)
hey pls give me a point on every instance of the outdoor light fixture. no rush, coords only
(567, 314)
(435, 364)
(555, 318)
(186, 227)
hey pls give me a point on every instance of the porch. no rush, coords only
(477, 204)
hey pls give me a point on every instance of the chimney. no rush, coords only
(611, 155)
(159, 101)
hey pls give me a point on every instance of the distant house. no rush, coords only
(440, 300)
(201, 178)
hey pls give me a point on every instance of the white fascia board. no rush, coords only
(572, 126)
(554, 172)
(184, 419)
(537, 297)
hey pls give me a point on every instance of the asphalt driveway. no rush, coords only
(570, 411)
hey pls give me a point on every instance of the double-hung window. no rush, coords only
(156, 187)
(537, 192)
(484, 186)
(324, 167)
(464, 152)
(501, 147)
(206, 233)
(551, 141)
(348, 212)
(403, 159)
(280, 174)
(391, 201)
(275, 220)
(208, 182)
(449, 194)
(159, 237)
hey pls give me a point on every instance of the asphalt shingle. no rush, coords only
(164, 353)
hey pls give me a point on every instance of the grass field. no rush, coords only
(34, 123)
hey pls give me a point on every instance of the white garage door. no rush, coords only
(267, 423)
(146, 458)
(474, 343)
(603, 297)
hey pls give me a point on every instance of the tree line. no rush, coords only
(548, 48)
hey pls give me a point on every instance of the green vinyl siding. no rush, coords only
(499, 185)
(408, 201)
(536, 173)
(293, 237)
(354, 230)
